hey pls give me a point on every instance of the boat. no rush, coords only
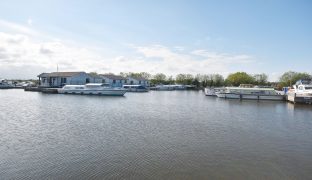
(165, 87)
(301, 92)
(251, 93)
(92, 89)
(302, 87)
(212, 91)
(5, 85)
(135, 88)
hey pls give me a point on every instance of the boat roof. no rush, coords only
(254, 88)
(97, 84)
(304, 82)
(132, 85)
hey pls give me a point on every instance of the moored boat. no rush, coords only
(92, 89)
(5, 85)
(301, 92)
(254, 93)
(135, 88)
(212, 91)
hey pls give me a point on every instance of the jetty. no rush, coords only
(299, 98)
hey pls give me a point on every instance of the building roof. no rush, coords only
(94, 75)
(139, 78)
(114, 77)
(59, 74)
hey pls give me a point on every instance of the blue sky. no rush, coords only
(177, 36)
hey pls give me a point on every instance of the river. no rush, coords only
(154, 135)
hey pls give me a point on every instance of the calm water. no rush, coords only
(155, 135)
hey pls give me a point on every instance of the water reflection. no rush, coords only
(155, 135)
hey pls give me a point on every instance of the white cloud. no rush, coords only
(17, 28)
(25, 53)
(29, 21)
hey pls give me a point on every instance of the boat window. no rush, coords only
(308, 87)
(300, 88)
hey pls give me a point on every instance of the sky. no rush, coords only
(163, 36)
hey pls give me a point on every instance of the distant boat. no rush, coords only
(135, 88)
(254, 93)
(92, 89)
(165, 87)
(212, 91)
(5, 85)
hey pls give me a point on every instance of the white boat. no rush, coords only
(254, 93)
(5, 85)
(165, 87)
(135, 88)
(302, 87)
(212, 91)
(92, 89)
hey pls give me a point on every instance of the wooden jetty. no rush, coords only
(43, 90)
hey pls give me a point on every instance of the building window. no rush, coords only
(63, 80)
(114, 81)
(125, 81)
(87, 80)
(103, 80)
(120, 81)
(131, 82)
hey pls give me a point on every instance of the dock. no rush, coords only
(297, 98)
(43, 90)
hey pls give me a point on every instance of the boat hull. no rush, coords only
(137, 90)
(94, 92)
(210, 92)
(251, 96)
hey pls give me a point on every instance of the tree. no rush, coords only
(185, 79)
(239, 78)
(289, 78)
(261, 79)
(159, 78)
(170, 80)
(144, 75)
(218, 80)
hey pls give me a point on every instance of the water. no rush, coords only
(155, 135)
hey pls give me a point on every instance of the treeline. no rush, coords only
(217, 80)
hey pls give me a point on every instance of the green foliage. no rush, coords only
(289, 78)
(260, 79)
(159, 78)
(144, 75)
(185, 79)
(239, 78)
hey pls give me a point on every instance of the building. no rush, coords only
(138, 81)
(113, 80)
(59, 79)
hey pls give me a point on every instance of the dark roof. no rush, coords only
(59, 74)
(114, 77)
(139, 78)
(94, 75)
